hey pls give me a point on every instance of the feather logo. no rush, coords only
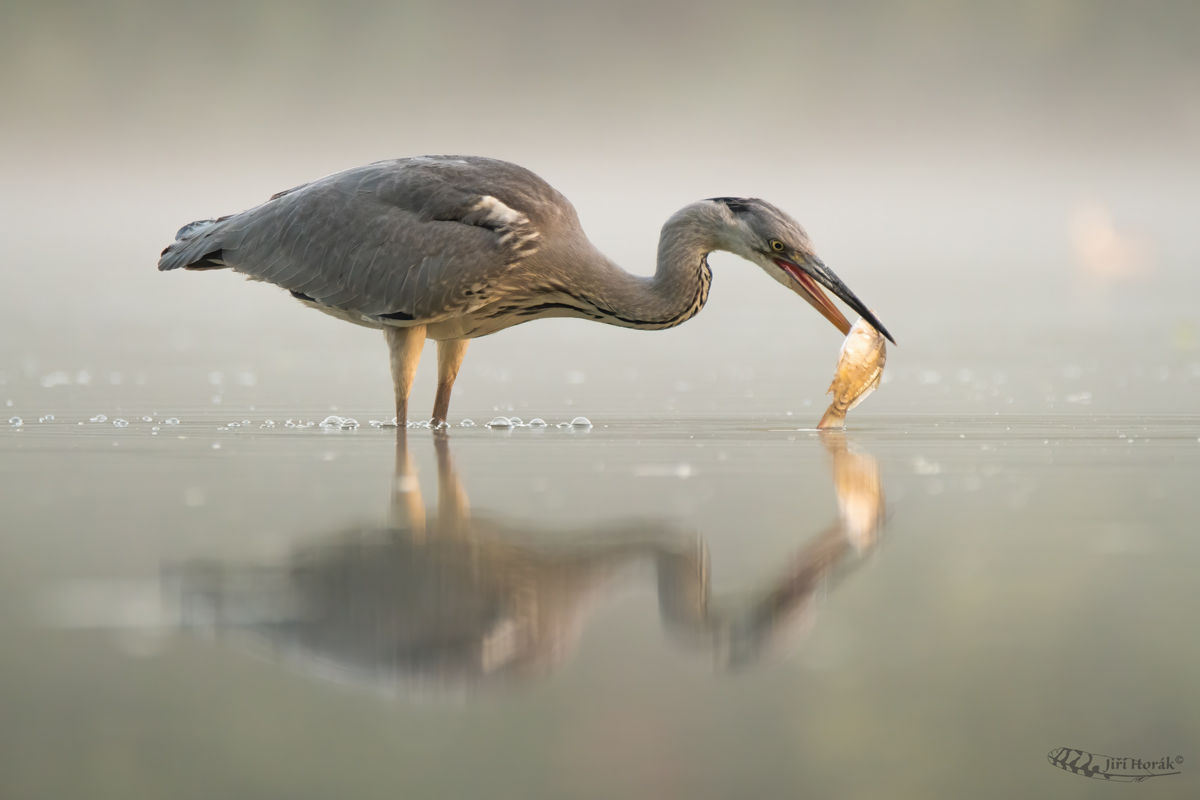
(1110, 768)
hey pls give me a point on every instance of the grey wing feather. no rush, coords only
(411, 236)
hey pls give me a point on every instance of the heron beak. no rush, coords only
(811, 271)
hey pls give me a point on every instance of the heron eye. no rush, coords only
(776, 245)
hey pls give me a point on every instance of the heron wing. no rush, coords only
(412, 239)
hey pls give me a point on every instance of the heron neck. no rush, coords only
(679, 287)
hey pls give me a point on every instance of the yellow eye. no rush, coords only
(776, 245)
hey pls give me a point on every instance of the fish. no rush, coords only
(859, 370)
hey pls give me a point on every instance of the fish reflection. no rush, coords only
(462, 601)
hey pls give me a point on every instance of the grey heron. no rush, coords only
(455, 247)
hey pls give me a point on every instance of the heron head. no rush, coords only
(759, 232)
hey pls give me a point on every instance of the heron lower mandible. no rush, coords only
(455, 247)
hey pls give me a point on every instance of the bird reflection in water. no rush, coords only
(460, 602)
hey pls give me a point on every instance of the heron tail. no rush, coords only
(197, 245)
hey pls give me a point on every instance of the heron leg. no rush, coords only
(405, 346)
(450, 358)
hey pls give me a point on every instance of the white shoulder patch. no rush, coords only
(498, 213)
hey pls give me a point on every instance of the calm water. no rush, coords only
(708, 606)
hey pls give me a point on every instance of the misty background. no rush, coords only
(1010, 186)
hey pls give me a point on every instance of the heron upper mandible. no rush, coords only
(455, 247)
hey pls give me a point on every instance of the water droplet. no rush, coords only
(332, 422)
(516, 422)
(171, 421)
(120, 423)
(500, 422)
(15, 421)
(147, 419)
(581, 422)
(537, 422)
(467, 423)
(99, 418)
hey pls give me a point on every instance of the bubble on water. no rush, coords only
(564, 424)
(516, 422)
(289, 424)
(374, 423)
(155, 429)
(120, 423)
(216, 399)
(47, 418)
(215, 378)
(16, 421)
(332, 421)
(537, 422)
(581, 422)
(500, 422)
(269, 424)
(216, 446)
(467, 423)
(1082, 398)
(245, 422)
(171, 421)
(349, 423)
(439, 425)
(147, 419)
(234, 425)
(222, 428)
(99, 418)
(56, 379)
